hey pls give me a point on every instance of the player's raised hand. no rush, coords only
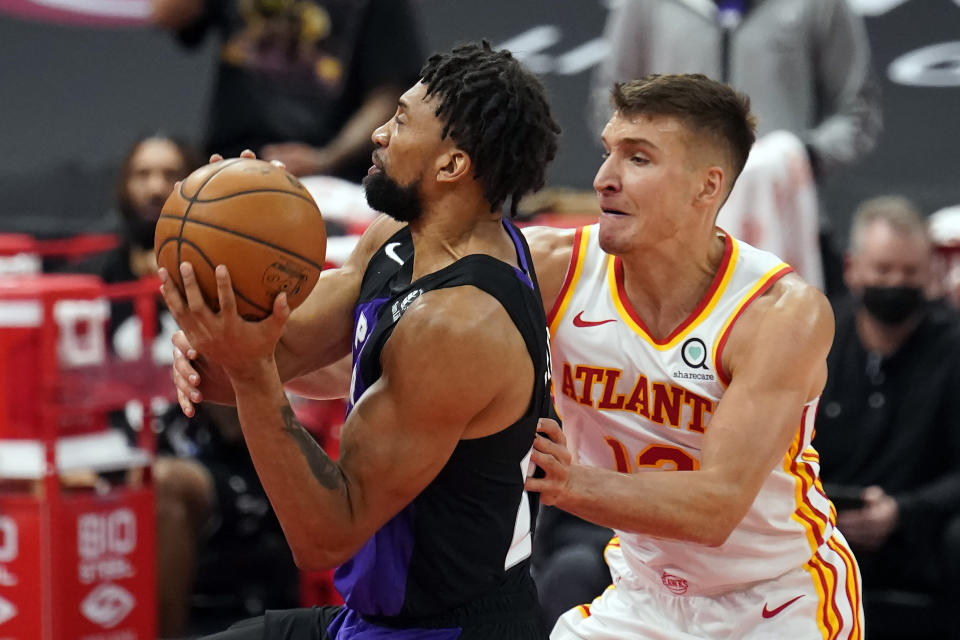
(224, 337)
(185, 377)
(246, 153)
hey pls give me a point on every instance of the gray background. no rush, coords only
(72, 98)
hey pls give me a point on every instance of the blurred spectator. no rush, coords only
(209, 501)
(887, 432)
(147, 175)
(774, 205)
(945, 234)
(302, 81)
(217, 531)
(805, 65)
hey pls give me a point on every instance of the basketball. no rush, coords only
(251, 216)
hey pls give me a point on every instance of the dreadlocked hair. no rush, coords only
(497, 112)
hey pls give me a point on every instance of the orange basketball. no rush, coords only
(253, 217)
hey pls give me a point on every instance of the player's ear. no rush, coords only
(712, 186)
(453, 165)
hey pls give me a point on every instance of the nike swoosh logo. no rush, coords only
(391, 251)
(769, 613)
(578, 321)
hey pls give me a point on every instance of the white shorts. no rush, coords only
(816, 601)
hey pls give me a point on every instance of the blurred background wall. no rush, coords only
(77, 87)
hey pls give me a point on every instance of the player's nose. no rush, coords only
(381, 135)
(606, 178)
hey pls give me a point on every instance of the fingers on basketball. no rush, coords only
(254, 218)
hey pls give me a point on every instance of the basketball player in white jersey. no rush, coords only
(687, 367)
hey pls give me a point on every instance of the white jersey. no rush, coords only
(632, 403)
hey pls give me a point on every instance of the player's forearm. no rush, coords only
(216, 386)
(329, 383)
(695, 506)
(214, 383)
(308, 491)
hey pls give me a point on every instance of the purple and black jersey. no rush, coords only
(465, 539)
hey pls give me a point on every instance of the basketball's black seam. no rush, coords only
(243, 193)
(186, 211)
(212, 266)
(245, 236)
(165, 242)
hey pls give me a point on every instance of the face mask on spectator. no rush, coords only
(892, 305)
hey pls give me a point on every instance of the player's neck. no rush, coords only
(449, 231)
(665, 283)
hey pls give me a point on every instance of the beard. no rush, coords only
(384, 194)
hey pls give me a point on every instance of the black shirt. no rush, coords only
(461, 538)
(890, 421)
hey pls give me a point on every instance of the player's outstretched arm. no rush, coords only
(443, 379)
(329, 383)
(776, 357)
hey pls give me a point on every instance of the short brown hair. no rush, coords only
(897, 212)
(706, 106)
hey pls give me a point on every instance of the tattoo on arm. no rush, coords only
(325, 470)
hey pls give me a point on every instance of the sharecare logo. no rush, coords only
(107, 605)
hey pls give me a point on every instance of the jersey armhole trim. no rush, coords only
(761, 287)
(574, 269)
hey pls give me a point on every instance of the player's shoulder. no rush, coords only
(551, 249)
(793, 293)
(548, 241)
(790, 306)
(457, 311)
(380, 230)
(462, 320)
(790, 326)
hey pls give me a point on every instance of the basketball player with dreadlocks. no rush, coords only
(424, 513)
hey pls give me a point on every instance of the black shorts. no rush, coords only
(282, 624)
